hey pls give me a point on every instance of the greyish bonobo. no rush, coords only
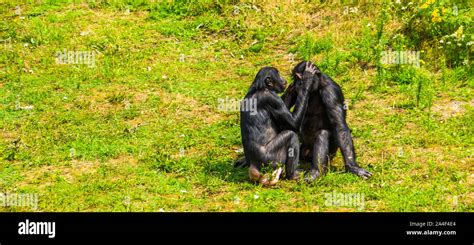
(269, 134)
(324, 128)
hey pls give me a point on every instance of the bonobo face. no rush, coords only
(298, 71)
(270, 78)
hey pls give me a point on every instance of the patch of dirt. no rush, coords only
(76, 169)
(69, 173)
(469, 199)
(447, 109)
(7, 136)
(470, 180)
(140, 97)
(124, 160)
(186, 107)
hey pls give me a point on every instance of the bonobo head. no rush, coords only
(298, 71)
(269, 77)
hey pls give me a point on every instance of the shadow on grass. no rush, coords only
(229, 171)
(225, 170)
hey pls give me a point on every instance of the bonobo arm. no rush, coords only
(333, 100)
(289, 97)
(281, 113)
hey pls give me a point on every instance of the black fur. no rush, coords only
(268, 134)
(324, 128)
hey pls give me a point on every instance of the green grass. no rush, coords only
(140, 131)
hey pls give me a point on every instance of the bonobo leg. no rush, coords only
(320, 159)
(284, 148)
(306, 152)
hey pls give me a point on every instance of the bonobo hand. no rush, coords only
(308, 74)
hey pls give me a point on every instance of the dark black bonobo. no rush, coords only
(268, 134)
(324, 127)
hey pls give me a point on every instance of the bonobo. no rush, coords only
(324, 127)
(268, 135)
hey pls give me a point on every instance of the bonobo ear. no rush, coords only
(263, 78)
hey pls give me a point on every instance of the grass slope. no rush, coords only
(141, 130)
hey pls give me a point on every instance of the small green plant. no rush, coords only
(414, 82)
(12, 150)
(116, 98)
(308, 45)
(380, 42)
(334, 63)
(258, 37)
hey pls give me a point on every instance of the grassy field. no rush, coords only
(140, 130)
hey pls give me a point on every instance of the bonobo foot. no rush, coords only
(296, 175)
(359, 171)
(257, 177)
(312, 175)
